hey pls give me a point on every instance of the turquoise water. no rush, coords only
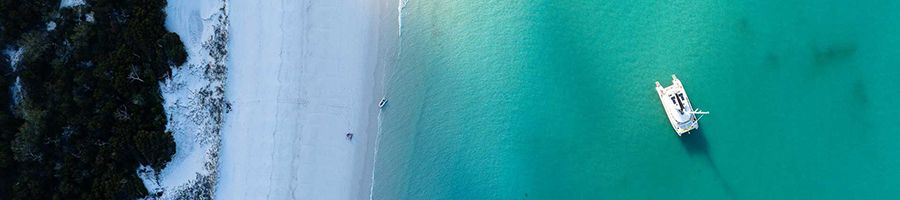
(555, 100)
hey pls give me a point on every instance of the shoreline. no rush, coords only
(302, 75)
(385, 53)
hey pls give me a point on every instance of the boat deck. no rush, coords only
(678, 107)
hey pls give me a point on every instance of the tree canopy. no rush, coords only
(91, 111)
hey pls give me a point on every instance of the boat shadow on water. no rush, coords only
(696, 145)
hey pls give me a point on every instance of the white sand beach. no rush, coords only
(302, 74)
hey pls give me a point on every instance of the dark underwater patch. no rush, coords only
(833, 54)
(859, 93)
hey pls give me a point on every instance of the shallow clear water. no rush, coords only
(555, 100)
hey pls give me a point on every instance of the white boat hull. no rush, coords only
(678, 107)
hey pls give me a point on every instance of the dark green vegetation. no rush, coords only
(91, 112)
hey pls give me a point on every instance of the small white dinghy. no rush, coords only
(678, 107)
(382, 102)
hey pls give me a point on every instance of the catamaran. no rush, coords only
(677, 105)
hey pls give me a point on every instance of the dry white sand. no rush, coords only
(301, 75)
